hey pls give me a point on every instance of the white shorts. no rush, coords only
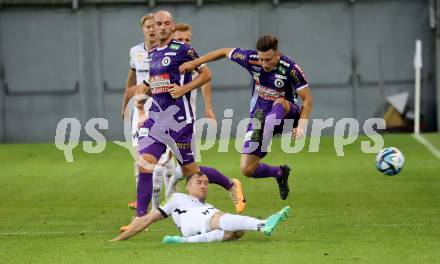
(196, 220)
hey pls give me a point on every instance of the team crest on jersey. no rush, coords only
(279, 83)
(166, 61)
(175, 46)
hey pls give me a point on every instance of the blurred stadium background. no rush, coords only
(69, 58)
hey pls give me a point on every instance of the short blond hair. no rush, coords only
(146, 17)
(182, 27)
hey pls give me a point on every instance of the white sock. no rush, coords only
(158, 174)
(231, 222)
(170, 168)
(212, 236)
(178, 175)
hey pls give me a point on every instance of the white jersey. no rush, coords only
(139, 62)
(190, 215)
(193, 98)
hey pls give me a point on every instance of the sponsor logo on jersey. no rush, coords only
(142, 70)
(177, 210)
(166, 61)
(268, 93)
(256, 68)
(160, 83)
(294, 75)
(175, 46)
(279, 83)
(281, 76)
(239, 56)
(192, 54)
(170, 54)
(282, 70)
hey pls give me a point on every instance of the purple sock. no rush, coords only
(265, 171)
(214, 176)
(144, 193)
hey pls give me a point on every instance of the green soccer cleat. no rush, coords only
(257, 134)
(274, 220)
(167, 240)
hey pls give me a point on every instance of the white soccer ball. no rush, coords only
(390, 161)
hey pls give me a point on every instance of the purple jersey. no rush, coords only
(282, 82)
(164, 70)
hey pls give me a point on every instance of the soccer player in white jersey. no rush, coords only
(199, 221)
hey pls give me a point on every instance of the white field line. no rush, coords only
(51, 233)
(428, 145)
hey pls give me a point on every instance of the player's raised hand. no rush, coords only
(209, 113)
(176, 91)
(188, 66)
(298, 132)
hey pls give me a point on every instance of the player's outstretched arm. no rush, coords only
(139, 224)
(211, 56)
(307, 102)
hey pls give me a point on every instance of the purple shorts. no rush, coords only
(250, 147)
(155, 142)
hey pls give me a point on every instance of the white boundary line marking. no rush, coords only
(50, 233)
(427, 144)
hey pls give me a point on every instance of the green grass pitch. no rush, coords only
(344, 211)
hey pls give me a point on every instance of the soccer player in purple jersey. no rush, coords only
(171, 117)
(276, 80)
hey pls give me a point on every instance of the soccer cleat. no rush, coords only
(274, 220)
(257, 134)
(167, 240)
(283, 182)
(132, 205)
(236, 193)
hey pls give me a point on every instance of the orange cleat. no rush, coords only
(236, 193)
(132, 205)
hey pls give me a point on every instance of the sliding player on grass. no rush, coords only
(276, 80)
(199, 221)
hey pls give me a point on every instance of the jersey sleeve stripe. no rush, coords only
(162, 212)
(302, 87)
(230, 53)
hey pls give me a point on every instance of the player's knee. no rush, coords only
(146, 164)
(246, 170)
(282, 102)
(228, 236)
